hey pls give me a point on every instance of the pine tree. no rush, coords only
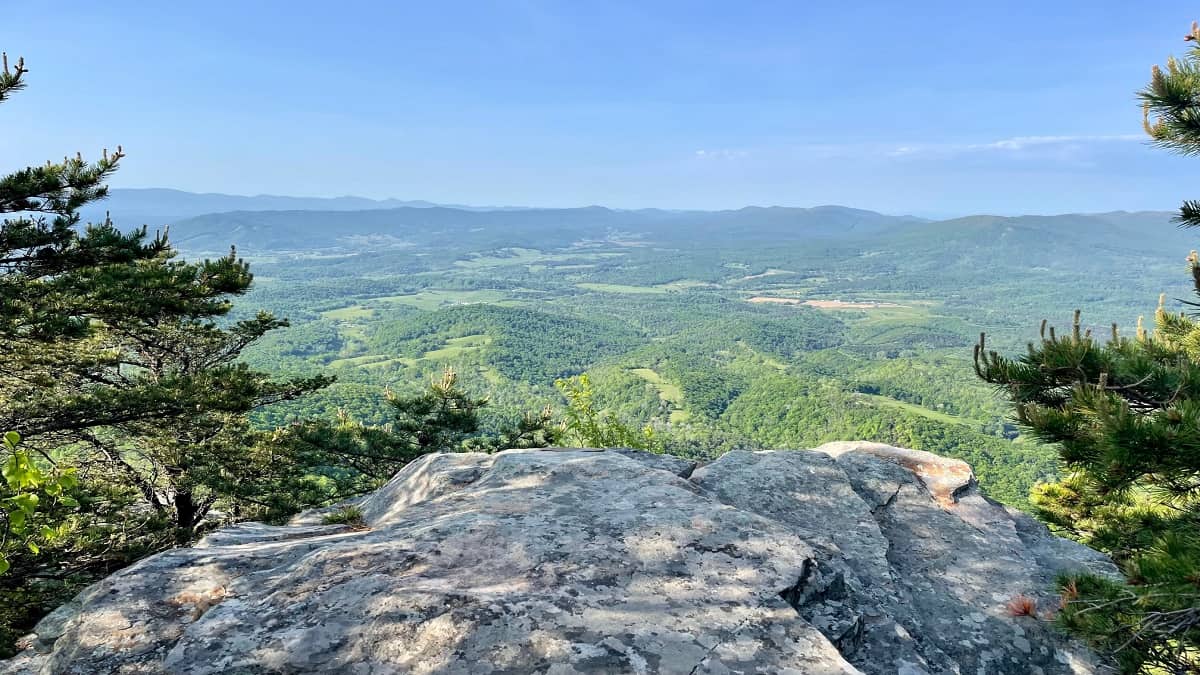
(186, 462)
(40, 250)
(439, 419)
(1125, 415)
(347, 458)
(117, 354)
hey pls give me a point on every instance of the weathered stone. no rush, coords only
(956, 554)
(572, 561)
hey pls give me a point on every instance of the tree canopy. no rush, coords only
(1125, 414)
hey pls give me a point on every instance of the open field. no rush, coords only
(887, 402)
(622, 288)
(436, 299)
(668, 287)
(771, 272)
(822, 304)
(457, 347)
(353, 361)
(531, 257)
(351, 313)
(842, 304)
(670, 393)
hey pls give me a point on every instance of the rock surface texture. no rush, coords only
(855, 557)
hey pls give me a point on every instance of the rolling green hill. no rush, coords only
(737, 329)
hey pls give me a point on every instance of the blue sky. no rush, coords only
(934, 108)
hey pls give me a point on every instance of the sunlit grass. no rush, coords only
(888, 402)
(622, 288)
(456, 347)
(351, 313)
(668, 392)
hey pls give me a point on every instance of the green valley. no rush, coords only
(714, 340)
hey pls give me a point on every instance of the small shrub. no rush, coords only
(350, 515)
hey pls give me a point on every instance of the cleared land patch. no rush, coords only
(685, 284)
(667, 392)
(889, 402)
(529, 256)
(508, 256)
(621, 288)
(390, 362)
(823, 304)
(771, 272)
(434, 299)
(456, 347)
(356, 360)
(669, 287)
(351, 313)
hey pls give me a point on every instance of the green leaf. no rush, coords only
(26, 502)
(3, 564)
(11, 439)
(20, 473)
(10, 471)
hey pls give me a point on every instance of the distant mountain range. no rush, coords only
(533, 228)
(212, 222)
(164, 205)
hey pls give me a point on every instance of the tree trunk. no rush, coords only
(185, 516)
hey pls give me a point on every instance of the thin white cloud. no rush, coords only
(720, 154)
(1015, 144)
(1023, 142)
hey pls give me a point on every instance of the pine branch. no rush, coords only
(1189, 214)
(11, 79)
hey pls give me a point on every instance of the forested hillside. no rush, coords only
(822, 324)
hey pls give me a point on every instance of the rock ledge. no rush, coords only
(856, 557)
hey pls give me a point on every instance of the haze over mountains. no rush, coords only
(166, 204)
(201, 223)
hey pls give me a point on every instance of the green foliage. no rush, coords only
(120, 373)
(333, 461)
(779, 411)
(349, 515)
(23, 492)
(526, 345)
(1149, 623)
(1171, 114)
(529, 430)
(586, 427)
(117, 356)
(1125, 416)
(108, 530)
(328, 462)
(1169, 104)
(439, 419)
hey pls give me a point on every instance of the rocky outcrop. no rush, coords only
(852, 558)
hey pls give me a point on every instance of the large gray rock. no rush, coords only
(921, 565)
(881, 560)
